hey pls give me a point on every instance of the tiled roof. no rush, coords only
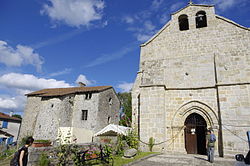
(5, 116)
(66, 91)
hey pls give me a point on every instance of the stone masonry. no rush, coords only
(200, 70)
(45, 114)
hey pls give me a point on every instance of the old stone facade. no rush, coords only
(78, 112)
(9, 128)
(194, 74)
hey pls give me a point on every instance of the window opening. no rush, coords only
(110, 101)
(84, 114)
(109, 119)
(201, 19)
(88, 96)
(5, 124)
(183, 22)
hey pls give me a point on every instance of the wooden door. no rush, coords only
(190, 140)
(195, 134)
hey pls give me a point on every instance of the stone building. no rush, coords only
(194, 74)
(9, 128)
(76, 113)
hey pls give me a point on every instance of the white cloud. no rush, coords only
(8, 103)
(74, 13)
(128, 19)
(146, 32)
(22, 55)
(125, 87)
(65, 71)
(83, 79)
(143, 37)
(149, 26)
(164, 18)
(21, 84)
(29, 82)
(156, 4)
(113, 56)
(223, 4)
(174, 7)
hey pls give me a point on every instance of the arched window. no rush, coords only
(201, 19)
(183, 22)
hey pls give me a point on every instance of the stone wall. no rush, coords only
(54, 112)
(29, 120)
(235, 106)
(181, 70)
(108, 109)
(43, 116)
(80, 103)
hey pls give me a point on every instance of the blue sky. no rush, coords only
(56, 43)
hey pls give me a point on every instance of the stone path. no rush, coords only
(183, 160)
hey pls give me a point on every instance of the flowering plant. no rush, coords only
(92, 153)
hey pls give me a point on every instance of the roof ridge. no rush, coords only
(67, 91)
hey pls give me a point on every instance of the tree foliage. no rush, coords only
(17, 116)
(126, 103)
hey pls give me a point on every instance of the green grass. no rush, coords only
(119, 161)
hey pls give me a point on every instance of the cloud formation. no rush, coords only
(63, 72)
(21, 55)
(21, 84)
(113, 56)
(156, 4)
(223, 5)
(82, 78)
(176, 6)
(74, 13)
(29, 82)
(141, 24)
(125, 87)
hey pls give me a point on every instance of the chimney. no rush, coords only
(81, 84)
(11, 113)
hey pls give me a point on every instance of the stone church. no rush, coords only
(194, 74)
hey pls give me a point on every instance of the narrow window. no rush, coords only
(84, 114)
(110, 101)
(183, 22)
(201, 19)
(88, 96)
(109, 118)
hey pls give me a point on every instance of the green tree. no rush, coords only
(126, 103)
(17, 116)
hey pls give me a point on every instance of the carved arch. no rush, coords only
(194, 107)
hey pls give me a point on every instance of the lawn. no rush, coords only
(119, 161)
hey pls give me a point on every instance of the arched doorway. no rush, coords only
(195, 134)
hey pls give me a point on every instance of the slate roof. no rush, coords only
(7, 117)
(66, 91)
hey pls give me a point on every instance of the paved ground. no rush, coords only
(184, 160)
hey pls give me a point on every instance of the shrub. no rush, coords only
(132, 139)
(151, 143)
(43, 160)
